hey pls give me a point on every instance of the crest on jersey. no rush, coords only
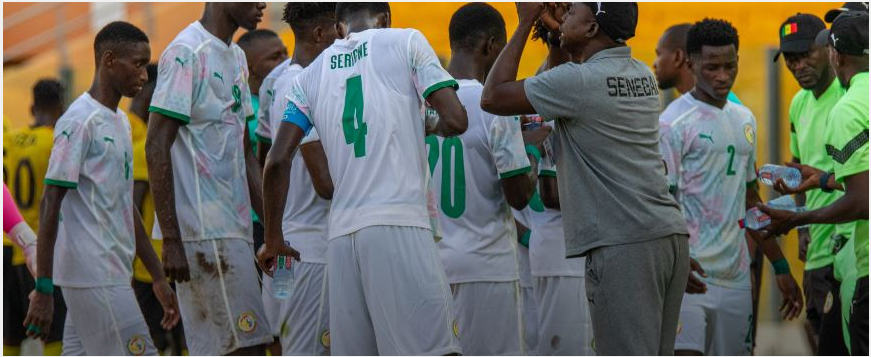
(456, 329)
(246, 322)
(136, 345)
(325, 338)
(748, 133)
(830, 301)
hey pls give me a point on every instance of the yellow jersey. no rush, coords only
(140, 173)
(25, 162)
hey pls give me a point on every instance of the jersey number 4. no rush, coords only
(353, 126)
(453, 201)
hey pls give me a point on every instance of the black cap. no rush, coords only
(848, 6)
(616, 19)
(849, 33)
(798, 32)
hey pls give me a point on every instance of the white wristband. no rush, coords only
(22, 234)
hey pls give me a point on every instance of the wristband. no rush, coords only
(524, 239)
(44, 286)
(824, 182)
(532, 150)
(781, 266)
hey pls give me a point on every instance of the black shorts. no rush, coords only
(152, 311)
(859, 319)
(823, 307)
(17, 284)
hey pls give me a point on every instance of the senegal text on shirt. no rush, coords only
(345, 60)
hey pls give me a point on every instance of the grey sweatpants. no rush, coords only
(635, 292)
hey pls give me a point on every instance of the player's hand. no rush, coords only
(804, 240)
(694, 284)
(169, 302)
(536, 136)
(175, 263)
(782, 221)
(552, 15)
(267, 254)
(792, 299)
(810, 179)
(528, 12)
(39, 315)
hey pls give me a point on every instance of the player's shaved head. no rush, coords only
(675, 37)
(305, 16)
(474, 24)
(117, 37)
(347, 11)
(48, 94)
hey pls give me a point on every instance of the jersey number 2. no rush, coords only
(353, 126)
(729, 170)
(453, 202)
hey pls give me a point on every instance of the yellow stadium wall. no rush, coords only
(757, 25)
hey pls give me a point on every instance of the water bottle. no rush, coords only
(282, 278)
(769, 174)
(756, 219)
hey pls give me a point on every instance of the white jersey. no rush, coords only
(305, 213)
(93, 156)
(547, 243)
(203, 83)
(524, 217)
(269, 98)
(479, 233)
(364, 95)
(710, 156)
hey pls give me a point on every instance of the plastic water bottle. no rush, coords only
(769, 174)
(282, 278)
(756, 219)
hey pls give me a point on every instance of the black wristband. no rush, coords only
(824, 182)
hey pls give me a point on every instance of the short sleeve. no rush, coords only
(71, 140)
(750, 172)
(264, 122)
(671, 148)
(173, 93)
(793, 137)
(298, 111)
(429, 76)
(140, 166)
(311, 137)
(847, 140)
(506, 146)
(548, 91)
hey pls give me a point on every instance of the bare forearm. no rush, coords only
(262, 150)
(163, 189)
(255, 184)
(140, 188)
(276, 178)
(48, 223)
(841, 211)
(505, 68)
(145, 251)
(771, 249)
(549, 192)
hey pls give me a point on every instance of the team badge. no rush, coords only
(246, 322)
(748, 133)
(136, 345)
(325, 339)
(830, 301)
(456, 329)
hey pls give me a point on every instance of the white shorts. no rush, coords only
(530, 320)
(221, 306)
(105, 321)
(489, 318)
(389, 294)
(565, 327)
(304, 321)
(271, 306)
(716, 323)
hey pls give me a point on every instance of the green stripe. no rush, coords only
(250, 117)
(524, 239)
(440, 85)
(841, 156)
(548, 173)
(169, 113)
(513, 173)
(60, 183)
(263, 139)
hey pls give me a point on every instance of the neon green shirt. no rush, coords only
(808, 117)
(847, 144)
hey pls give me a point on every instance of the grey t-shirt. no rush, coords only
(611, 179)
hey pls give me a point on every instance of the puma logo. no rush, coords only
(67, 134)
(182, 63)
(709, 137)
(599, 9)
(109, 139)
(219, 76)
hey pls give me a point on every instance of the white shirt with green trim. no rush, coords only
(93, 157)
(269, 98)
(304, 222)
(203, 83)
(479, 242)
(364, 94)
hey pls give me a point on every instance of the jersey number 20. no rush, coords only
(353, 126)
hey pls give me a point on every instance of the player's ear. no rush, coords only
(690, 62)
(108, 58)
(680, 57)
(318, 34)
(490, 45)
(592, 30)
(341, 29)
(384, 20)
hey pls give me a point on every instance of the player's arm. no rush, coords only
(262, 149)
(316, 162)
(140, 188)
(41, 309)
(516, 159)
(503, 94)
(453, 120)
(792, 295)
(523, 233)
(162, 132)
(164, 293)
(17, 229)
(254, 174)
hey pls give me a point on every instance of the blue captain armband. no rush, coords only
(293, 115)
